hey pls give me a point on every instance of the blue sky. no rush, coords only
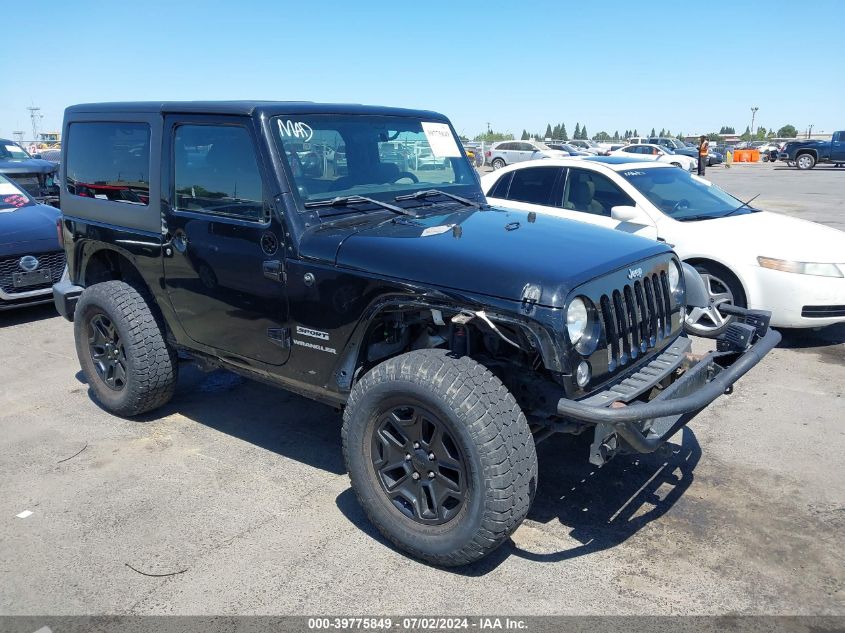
(612, 65)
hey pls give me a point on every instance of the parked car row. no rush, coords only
(37, 176)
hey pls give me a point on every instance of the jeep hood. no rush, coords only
(494, 252)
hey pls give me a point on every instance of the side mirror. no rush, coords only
(629, 214)
(38, 156)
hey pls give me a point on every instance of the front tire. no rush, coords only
(497, 163)
(805, 161)
(122, 351)
(439, 455)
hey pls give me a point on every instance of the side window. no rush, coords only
(109, 161)
(500, 189)
(215, 171)
(591, 192)
(527, 147)
(533, 185)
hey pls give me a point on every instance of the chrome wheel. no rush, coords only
(708, 321)
(805, 161)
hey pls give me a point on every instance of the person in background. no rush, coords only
(703, 150)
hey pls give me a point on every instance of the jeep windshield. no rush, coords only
(332, 156)
(683, 196)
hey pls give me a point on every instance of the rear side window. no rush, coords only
(533, 185)
(109, 161)
(215, 171)
(500, 189)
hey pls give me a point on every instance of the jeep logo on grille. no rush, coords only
(635, 273)
(28, 263)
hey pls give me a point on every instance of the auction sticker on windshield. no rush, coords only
(440, 139)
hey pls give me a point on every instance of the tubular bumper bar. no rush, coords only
(665, 404)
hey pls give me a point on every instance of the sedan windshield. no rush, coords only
(12, 151)
(379, 157)
(683, 196)
(11, 196)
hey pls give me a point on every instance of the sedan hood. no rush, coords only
(34, 223)
(27, 166)
(775, 235)
(493, 252)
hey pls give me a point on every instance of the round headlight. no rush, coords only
(577, 319)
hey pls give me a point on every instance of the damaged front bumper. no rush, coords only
(624, 422)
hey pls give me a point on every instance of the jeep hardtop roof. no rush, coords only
(247, 108)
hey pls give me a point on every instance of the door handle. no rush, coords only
(273, 269)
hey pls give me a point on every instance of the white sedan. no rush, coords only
(748, 257)
(647, 151)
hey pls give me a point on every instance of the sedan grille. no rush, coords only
(636, 318)
(9, 265)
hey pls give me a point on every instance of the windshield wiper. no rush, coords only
(744, 204)
(693, 218)
(342, 201)
(428, 193)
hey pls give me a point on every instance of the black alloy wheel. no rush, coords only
(419, 465)
(107, 351)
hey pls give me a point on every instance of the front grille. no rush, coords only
(31, 183)
(636, 318)
(9, 265)
(821, 312)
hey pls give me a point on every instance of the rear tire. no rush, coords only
(483, 467)
(805, 161)
(497, 163)
(122, 351)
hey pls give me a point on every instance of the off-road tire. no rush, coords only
(489, 428)
(805, 161)
(497, 164)
(151, 364)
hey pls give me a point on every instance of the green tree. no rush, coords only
(584, 135)
(577, 134)
(616, 135)
(563, 135)
(727, 129)
(746, 136)
(492, 137)
(602, 136)
(548, 131)
(635, 132)
(653, 133)
(787, 131)
(662, 132)
(713, 136)
(556, 131)
(524, 136)
(760, 134)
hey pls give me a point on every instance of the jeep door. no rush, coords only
(223, 244)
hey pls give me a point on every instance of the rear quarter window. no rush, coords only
(109, 161)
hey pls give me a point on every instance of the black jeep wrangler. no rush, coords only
(347, 253)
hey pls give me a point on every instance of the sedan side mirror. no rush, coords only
(36, 156)
(629, 214)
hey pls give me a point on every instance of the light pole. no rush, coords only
(753, 114)
(810, 131)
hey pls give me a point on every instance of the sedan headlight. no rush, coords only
(581, 324)
(801, 268)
